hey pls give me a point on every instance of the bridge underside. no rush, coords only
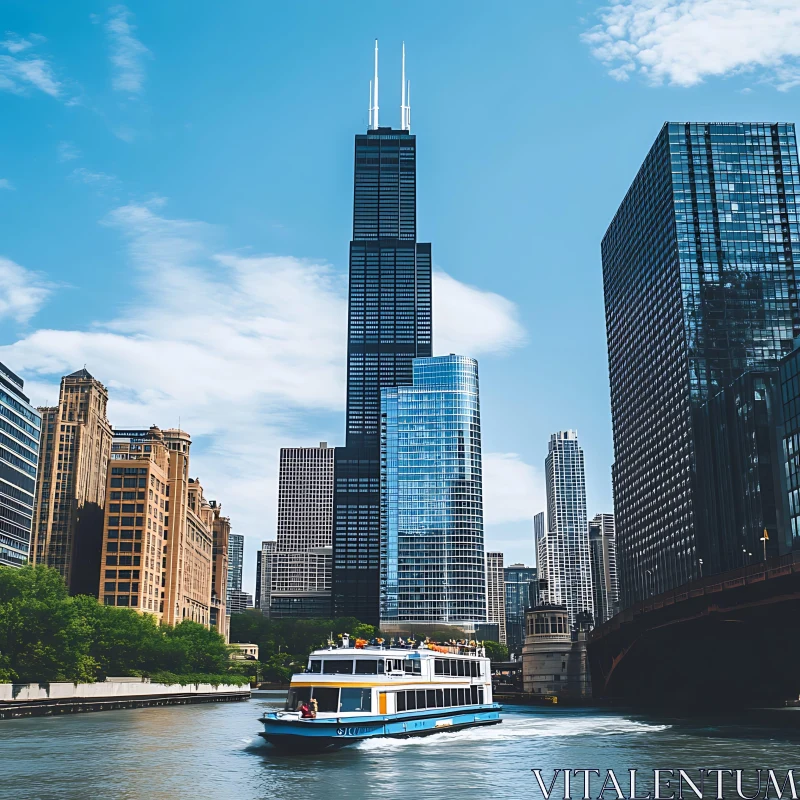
(728, 641)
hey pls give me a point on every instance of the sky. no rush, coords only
(176, 207)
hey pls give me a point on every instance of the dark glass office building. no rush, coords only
(389, 326)
(699, 280)
(20, 433)
(522, 593)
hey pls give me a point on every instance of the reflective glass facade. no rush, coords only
(432, 557)
(521, 590)
(20, 433)
(389, 325)
(699, 281)
(235, 563)
(790, 450)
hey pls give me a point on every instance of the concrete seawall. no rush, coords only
(44, 699)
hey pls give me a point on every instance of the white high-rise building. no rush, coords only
(605, 581)
(301, 561)
(496, 593)
(540, 548)
(264, 559)
(566, 562)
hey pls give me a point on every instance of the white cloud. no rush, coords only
(5, 183)
(127, 52)
(248, 351)
(22, 292)
(99, 179)
(67, 151)
(683, 42)
(18, 75)
(457, 308)
(513, 490)
(15, 44)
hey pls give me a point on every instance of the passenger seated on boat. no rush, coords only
(314, 707)
(305, 711)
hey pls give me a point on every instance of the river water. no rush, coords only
(213, 752)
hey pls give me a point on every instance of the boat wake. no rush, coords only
(515, 728)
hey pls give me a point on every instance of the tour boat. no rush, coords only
(362, 691)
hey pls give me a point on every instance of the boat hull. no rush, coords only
(303, 736)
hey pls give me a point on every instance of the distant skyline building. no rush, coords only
(564, 547)
(221, 527)
(389, 324)
(71, 484)
(603, 556)
(235, 563)
(521, 594)
(301, 563)
(496, 593)
(699, 278)
(239, 601)
(264, 560)
(19, 463)
(433, 567)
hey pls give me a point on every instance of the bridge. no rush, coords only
(729, 641)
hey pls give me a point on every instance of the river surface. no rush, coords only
(213, 752)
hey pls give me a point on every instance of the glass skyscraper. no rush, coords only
(433, 568)
(235, 563)
(521, 593)
(389, 326)
(20, 434)
(700, 287)
(563, 549)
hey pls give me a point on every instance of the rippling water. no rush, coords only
(214, 752)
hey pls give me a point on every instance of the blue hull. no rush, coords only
(303, 736)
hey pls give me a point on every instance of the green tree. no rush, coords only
(193, 648)
(496, 651)
(43, 634)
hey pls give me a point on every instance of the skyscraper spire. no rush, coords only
(375, 95)
(405, 97)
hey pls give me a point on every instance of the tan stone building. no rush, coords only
(219, 569)
(71, 484)
(496, 593)
(133, 532)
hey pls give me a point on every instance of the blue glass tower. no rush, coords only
(699, 273)
(20, 433)
(389, 325)
(432, 557)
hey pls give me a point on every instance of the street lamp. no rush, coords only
(700, 562)
(650, 573)
(765, 539)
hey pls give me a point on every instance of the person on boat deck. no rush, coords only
(305, 711)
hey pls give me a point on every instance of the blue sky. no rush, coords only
(175, 207)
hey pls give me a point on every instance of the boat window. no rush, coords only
(430, 699)
(297, 697)
(438, 667)
(337, 666)
(380, 667)
(411, 701)
(473, 668)
(412, 666)
(366, 666)
(354, 699)
(315, 665)
(473, 690)
(420, 698)
(401, 701)
(460, 668)
(480, 695)
(453, 667)
(327, 698)
(461, 700)
(440, 698)
(394, 664)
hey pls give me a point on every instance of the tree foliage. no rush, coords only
(293, 637)
(496, 651)
(45, 636)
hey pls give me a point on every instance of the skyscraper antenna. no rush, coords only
(408, 106)
(370, 104)
(403, 92)
(375, 97)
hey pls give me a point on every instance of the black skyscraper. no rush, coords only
(700, 287)
(389, 325)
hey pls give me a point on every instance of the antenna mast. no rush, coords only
(405, 97)
(375, 80)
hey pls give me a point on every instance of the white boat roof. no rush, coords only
(390, 652)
